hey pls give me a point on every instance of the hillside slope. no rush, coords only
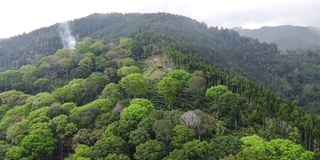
(127, 100)
(224, 48)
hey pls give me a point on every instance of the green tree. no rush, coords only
(124, 71)
(17, 132)
(39, 146)
(181, 75)
(197, 86)
(163, 130)
(117, 157)
(169, 88)
(134, 84)
(111, 91)
(139, 136)
(82, 151)
(109, 145)
(99, 48)
(152, 149)
(191, 150)
(63, 131)
(42, 85)
(16, 152)
(215, 92)
(255, 147)
(94, 85)
(180, 135)
(84, 46)
(224, 145)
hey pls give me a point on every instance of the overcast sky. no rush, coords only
(19, 16)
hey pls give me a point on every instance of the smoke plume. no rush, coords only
(68, 40)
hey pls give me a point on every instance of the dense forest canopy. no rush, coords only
(155, 86)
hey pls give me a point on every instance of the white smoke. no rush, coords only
(68, 40)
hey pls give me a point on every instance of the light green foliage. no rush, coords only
(124, 71)
(109, 145)
(41, 128)
(180, 135)
(181, 75)
(111, 91)
(39, 115)
(40, 100)
(191, 150)
(12, 115)
(127, 44)
(10, 99)
(84, 46)
(63, 53)
(82, 151)
(126, 62)
(105, 105)
(152, 149)
(254, 146)
(62, 128)
(63, 95)
(17, 132)
(39, 145)
(134, 84)
(16, 152)
(134, 112)
(170, 88)
(68, 106)
(13, 98)
(117, 157)
(215, 92)
(143, 103)
(196, 149)
(98, 48)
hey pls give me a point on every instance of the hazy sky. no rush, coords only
(19, 16)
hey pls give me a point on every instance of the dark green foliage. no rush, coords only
(152, 149)
(223, 146)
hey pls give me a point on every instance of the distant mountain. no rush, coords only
(286, 37)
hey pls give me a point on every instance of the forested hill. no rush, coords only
(152, 86)
(294, 75)
(222, 47)
(286, 37)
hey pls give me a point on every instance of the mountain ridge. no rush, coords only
(287, 37)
